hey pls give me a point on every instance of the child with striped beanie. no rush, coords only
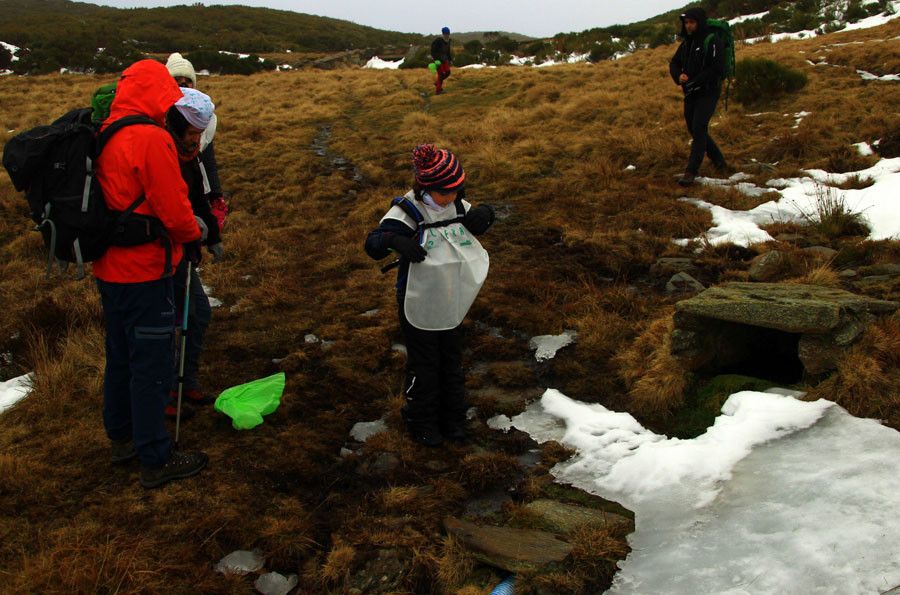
(441, 266)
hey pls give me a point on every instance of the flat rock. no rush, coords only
(273, 583)
(568, 517)
(792, 308)
(890, 268)
(513, 550)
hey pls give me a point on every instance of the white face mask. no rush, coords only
(429, 202)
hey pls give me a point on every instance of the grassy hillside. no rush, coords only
(574, 248)
(60, 33)
(783, 16)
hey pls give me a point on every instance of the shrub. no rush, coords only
(759, 80)
(5, 58)
(420, 59)
(832, 218)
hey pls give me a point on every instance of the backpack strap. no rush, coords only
(118, 125)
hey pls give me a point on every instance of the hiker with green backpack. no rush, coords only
(704, 58)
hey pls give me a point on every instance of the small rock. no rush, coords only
(847, 274)
(345, 452)
(364, 430)
(767, 266)
(488, 504)
(399, 348)
(241, 562)
(665, 267)
(273, 583)
(310, 338)
(821, 253)
(683, 283)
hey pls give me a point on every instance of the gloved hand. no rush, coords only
(219, 209)
(204, 231)
(217, 250)
(408, 248)
(479, 219)
(193, 252)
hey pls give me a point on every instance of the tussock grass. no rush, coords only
(573, 250)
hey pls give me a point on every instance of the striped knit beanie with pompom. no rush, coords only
(437, 169)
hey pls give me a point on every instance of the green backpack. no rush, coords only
(101, 102)
(722, 30)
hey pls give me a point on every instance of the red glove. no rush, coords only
(219, 209)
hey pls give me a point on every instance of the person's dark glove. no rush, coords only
(193, 252)
(217, 251)
(479, 219)
(408, 248)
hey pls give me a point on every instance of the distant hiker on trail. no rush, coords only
(698, 68)
(440, 53)
(186, 121)
(135, 282)
(183, 72)
(441, 269)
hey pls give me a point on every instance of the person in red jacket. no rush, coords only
(135, 282)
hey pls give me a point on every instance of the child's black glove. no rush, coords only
(479, 219)
(408, 248)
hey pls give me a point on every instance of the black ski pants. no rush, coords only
(435, 383)
(698, 110)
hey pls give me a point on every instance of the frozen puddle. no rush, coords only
(778, 496)
(877, 204)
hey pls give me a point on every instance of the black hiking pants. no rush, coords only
(698, 110)
(435, 383)
(140, 348)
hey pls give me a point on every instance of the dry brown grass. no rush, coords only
(866, 379)
(655, 381)
(547, 146)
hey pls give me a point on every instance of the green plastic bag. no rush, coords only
(246, 403)
(433, 66)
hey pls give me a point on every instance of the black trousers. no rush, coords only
(435, 382)
(698, 110)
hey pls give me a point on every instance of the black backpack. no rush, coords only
(55, 166)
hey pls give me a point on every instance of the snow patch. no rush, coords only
(376, 63)
(747, 17)
(546, 346)
(776, 37)
(864, 149)
(868, 76)
(12, 49)
(875, 21)
(14, 390)
(213, 302)
(877, 204)
(778, 496)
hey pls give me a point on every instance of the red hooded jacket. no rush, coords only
(141, 159)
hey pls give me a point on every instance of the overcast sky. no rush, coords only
(538, 18)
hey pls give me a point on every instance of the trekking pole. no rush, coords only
(184, 331)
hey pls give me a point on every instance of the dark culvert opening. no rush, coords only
(759, 352)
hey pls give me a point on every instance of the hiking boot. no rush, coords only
(721, 166)
(122, 451)
(192, 396)
(427, 435)
(687, 179)
(180, 466)
(171, 410)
